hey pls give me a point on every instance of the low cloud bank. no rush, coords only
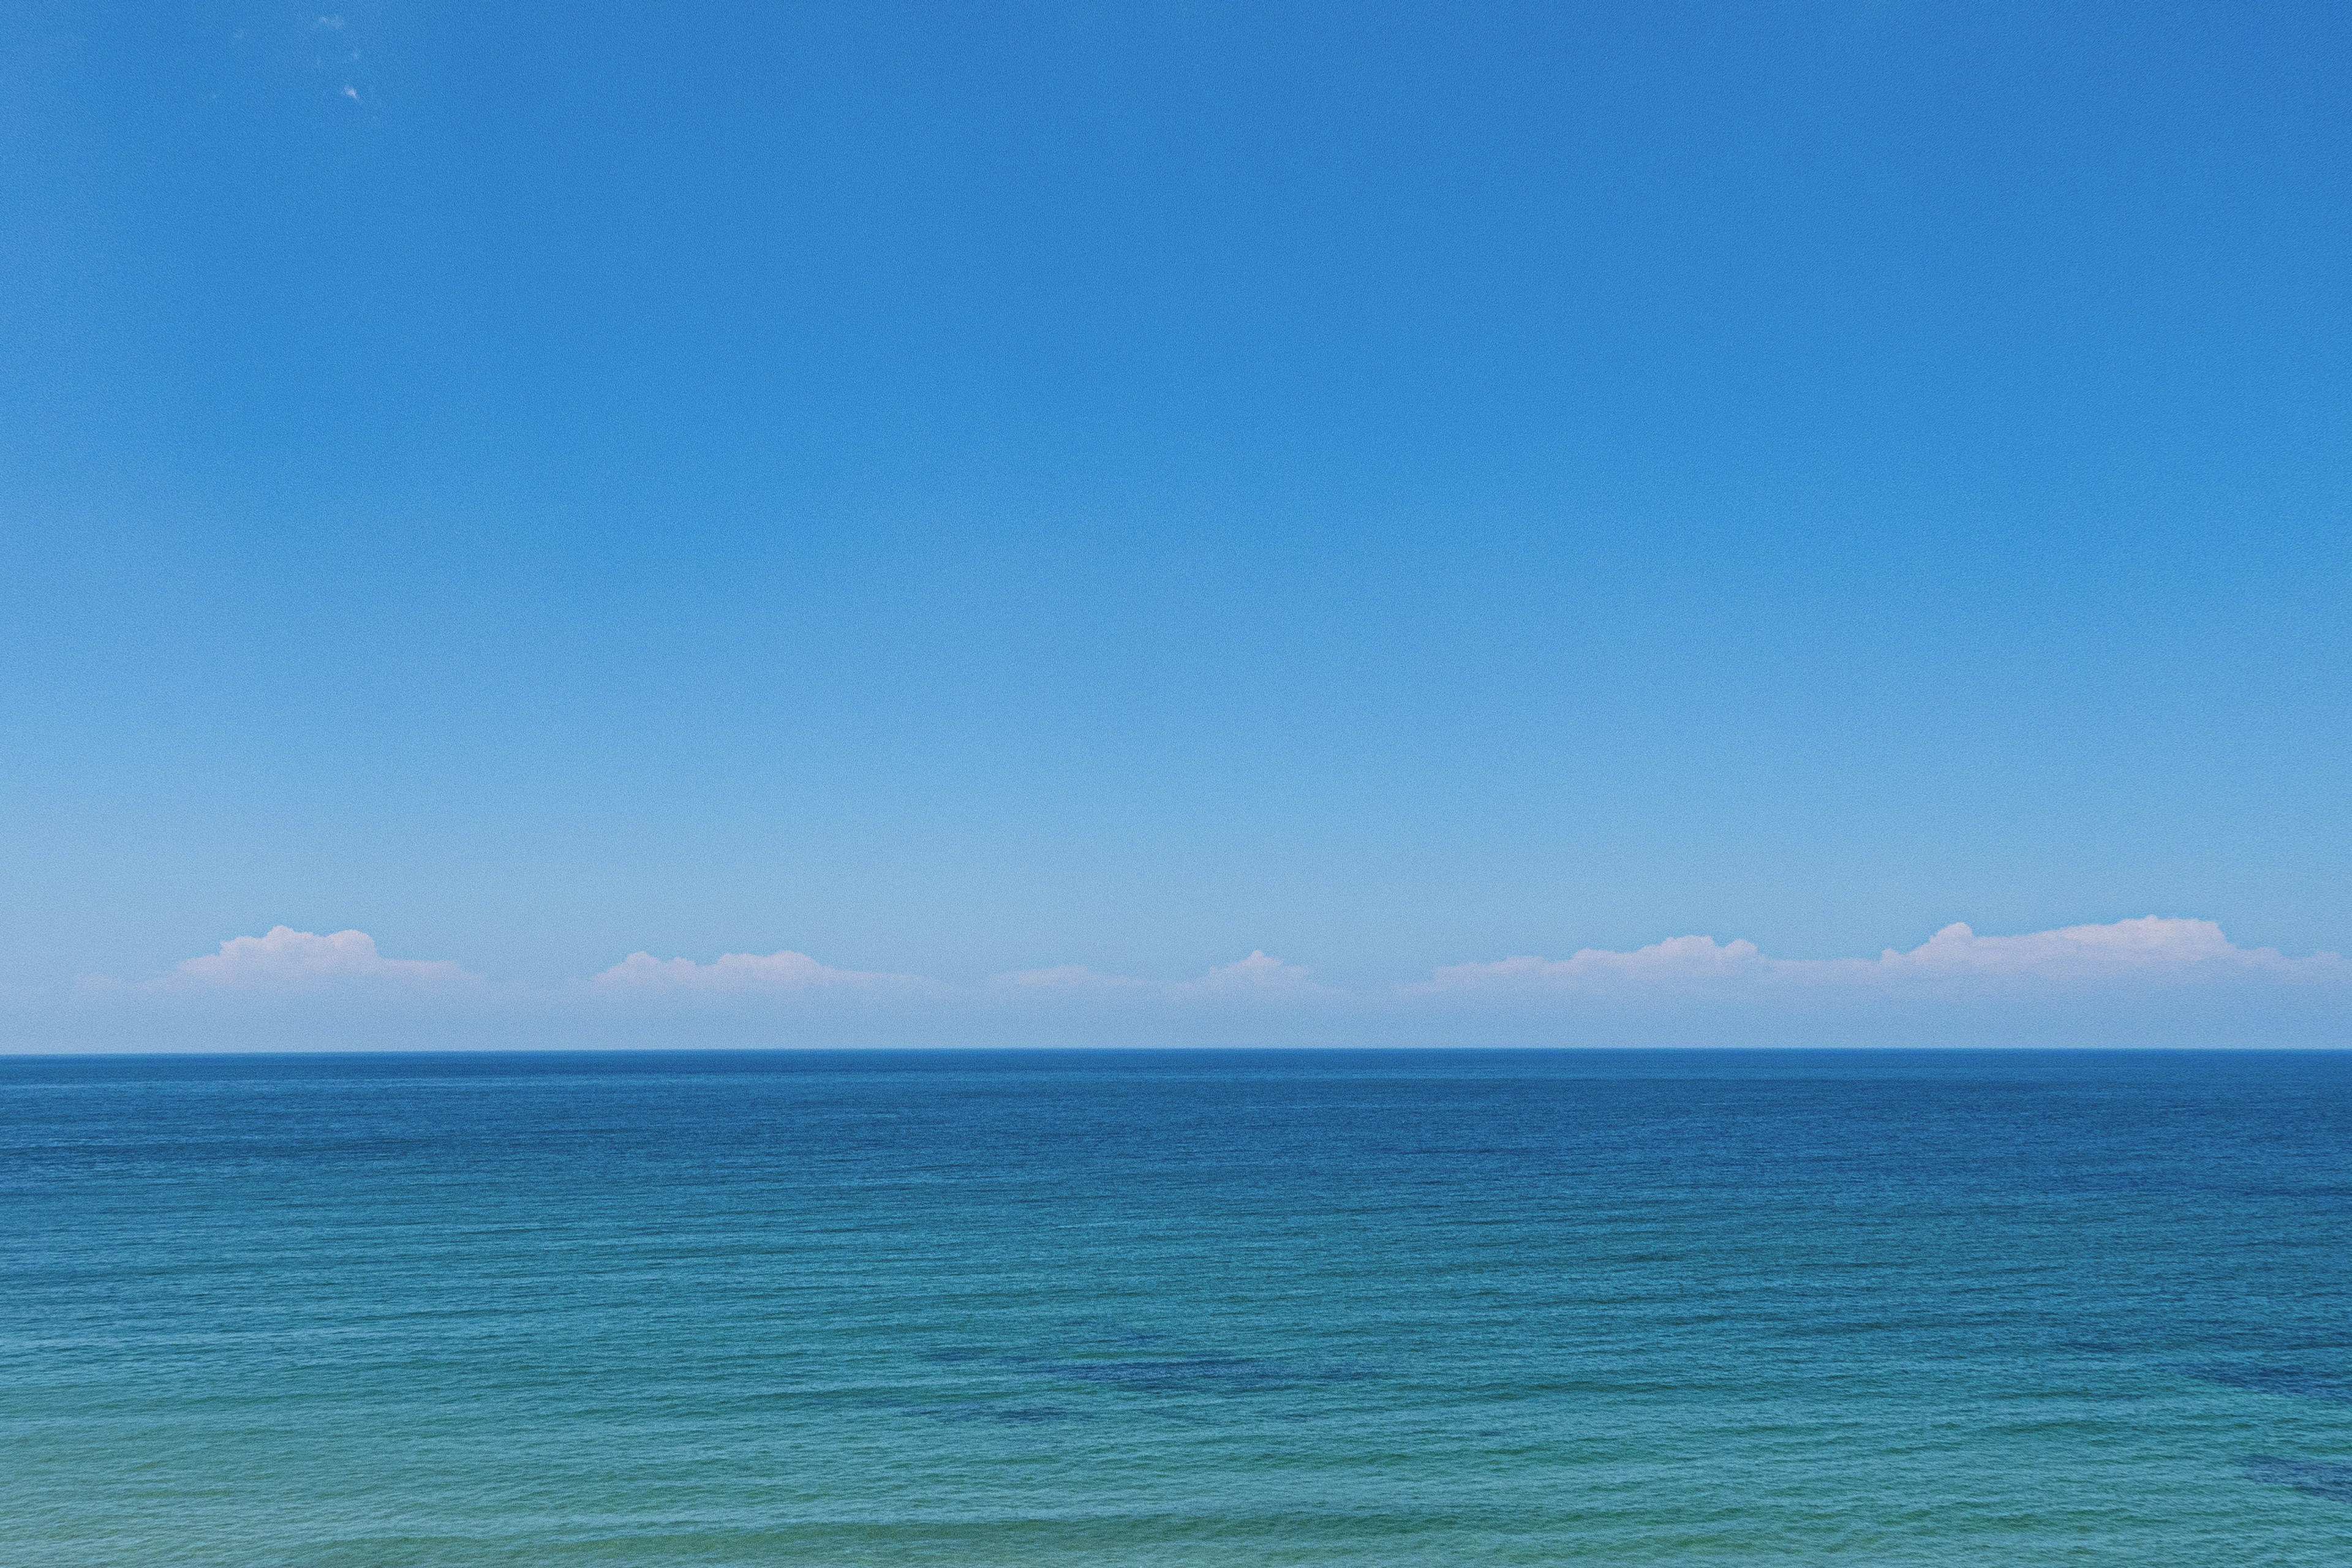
(2154, 980)
(2151, 951)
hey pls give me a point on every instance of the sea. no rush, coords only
(1177, 1307)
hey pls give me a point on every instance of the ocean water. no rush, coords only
(1038, 1308)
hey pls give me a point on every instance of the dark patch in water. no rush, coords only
(2312, 1478)
(2258, 1339)
(954, 1354)
(2296, 1382)
(1193, 1374)
(2319, 1194)
(1000, 1414)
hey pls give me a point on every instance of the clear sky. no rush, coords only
(961, 491)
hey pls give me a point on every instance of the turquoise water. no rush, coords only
(1214, 1308)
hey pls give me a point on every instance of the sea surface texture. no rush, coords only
(1181, 1307)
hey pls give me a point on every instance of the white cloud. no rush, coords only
(2151, 945)
(1677, 960)
(2151, 949)
(289, 962)
(1256, 978)
(2171, 966)
(785, 974)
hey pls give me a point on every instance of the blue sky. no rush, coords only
(961, 491)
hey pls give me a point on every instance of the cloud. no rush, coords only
(1256, 978)
(785, 974)
(1677, 960)
(2151, 951)
(287, 962)
(1067, 980)
(2150, 946)
(2136, 981)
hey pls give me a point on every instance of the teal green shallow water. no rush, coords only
(1216, 1308)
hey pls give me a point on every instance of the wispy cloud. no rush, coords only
(784, 974)
(1068, 981)
(1256, 978)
